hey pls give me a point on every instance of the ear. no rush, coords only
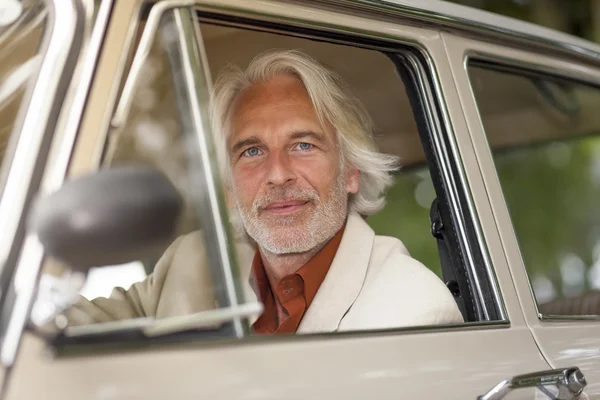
(352, 180)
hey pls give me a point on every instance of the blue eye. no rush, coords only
(305, 146)
(251, 152)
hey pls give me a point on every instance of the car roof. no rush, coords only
(456, 17)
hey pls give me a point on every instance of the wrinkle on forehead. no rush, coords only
(281, 92)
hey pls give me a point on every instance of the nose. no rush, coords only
(280, 171)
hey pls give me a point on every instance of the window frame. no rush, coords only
(431, 94)
(443, 133)
(43, 149)
(523, 68)
(451, 182)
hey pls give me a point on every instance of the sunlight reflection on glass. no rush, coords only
(101, 281)
(572, 271)
(543, 289)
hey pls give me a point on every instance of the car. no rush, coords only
(107, 156)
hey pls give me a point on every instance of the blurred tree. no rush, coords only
(594, 21)
(406, 215)
(551, 14)
(551, 194)
(577, 17)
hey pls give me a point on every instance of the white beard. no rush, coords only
(289, 234)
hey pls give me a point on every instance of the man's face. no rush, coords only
(288, 181)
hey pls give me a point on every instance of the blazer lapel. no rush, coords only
(343, 282)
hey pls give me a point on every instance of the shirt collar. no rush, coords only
(312, 273)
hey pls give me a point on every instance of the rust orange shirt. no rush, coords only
(294, 292)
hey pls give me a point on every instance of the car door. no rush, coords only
(541, 123)
(40, 46)
(452, 361)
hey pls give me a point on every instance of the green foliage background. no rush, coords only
(403, 217)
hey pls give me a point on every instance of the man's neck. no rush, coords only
(279, 265)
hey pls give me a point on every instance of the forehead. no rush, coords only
(279, 90)
(273, 105)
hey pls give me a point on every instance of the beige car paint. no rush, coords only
(454, 363)
(27, 246)
(567, 342)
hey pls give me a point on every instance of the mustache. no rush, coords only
(285, 194)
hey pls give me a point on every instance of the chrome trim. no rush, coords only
(569, 382)
(33, 125)
(470, 210)
(60, 162)
(567, 318)
(443, 156)
(151, 327)
(68, 27)
(69, 124)
(23, 292)
(530, 67)
(208, 194)
(440, 20)
(470, 205)
(31, 20)
(61, 350)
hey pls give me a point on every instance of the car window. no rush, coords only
(544, 133)
(179, 280)
(20, 38)
(152, 135)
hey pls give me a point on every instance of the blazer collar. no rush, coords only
(343, 282)
(341, 285)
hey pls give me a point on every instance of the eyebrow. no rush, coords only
(251, 141)
(302, 134)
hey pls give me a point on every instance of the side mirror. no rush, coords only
(110, 217)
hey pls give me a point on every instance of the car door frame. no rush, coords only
(458, 361)
(568, 341)
(47, 120)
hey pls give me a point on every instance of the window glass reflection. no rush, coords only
(545, 138)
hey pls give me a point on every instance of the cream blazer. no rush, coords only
(373, 283)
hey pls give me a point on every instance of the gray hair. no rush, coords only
(333, 102)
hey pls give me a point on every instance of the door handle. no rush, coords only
(569, 381)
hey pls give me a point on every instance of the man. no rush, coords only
(301, 170)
